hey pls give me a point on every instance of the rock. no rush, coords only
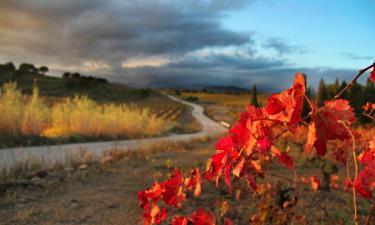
(82, 167)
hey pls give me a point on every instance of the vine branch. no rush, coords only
(360, 72)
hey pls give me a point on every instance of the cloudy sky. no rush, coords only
(192, 43)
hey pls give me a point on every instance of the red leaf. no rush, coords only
(372, 75)
(274, 105)
(228, 221)
(365, 182)
(251, 181)
(315, 183)
(202, 217)
(179, 220)
(325, 125)
(194, 182)
(153, 215)
(173, 194)
(225, 144)
(287, 106)
(283, 158)
(152, 194)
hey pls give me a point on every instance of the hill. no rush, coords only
(97, 89)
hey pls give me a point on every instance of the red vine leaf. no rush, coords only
(173, 193)
(326, 124)
(372, 75)
(283, 158)
(194, 182)
(179, 220)
(314, 183)
(287, 106)
(202, 217)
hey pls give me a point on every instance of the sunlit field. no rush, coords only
(78, 116)
(239, 99)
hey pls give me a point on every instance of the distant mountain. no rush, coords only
(231, 88)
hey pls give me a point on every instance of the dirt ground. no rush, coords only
(106, 194)
(100, 194)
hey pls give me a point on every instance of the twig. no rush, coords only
(360, 72)
(355, 173)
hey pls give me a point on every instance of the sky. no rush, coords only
(192, 43)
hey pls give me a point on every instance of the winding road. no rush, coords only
(49, 155)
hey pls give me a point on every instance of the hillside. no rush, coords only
(62, 87)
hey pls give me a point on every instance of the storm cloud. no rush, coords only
(146, 43)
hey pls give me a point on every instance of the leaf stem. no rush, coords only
(355, 172)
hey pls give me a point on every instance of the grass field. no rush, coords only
(240, 99)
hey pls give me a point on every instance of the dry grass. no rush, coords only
(79, 116)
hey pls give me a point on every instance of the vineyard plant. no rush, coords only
(257, 141)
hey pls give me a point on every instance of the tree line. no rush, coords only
(9, 67)
(72, 80)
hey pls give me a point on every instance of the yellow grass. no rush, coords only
(225, 99)
(29, 115)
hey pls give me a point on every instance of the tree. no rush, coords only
(356, 98)
(336, 86)
(75, 76)
(322, 93)
(43, 69)
(27, 68)
(345, 94)
(8, 67)
(254, 97)
(66, 75)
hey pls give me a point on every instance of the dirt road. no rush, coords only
(60, 153)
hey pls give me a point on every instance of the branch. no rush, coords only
(360, 72)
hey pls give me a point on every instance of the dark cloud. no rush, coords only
(115, 30)
(282, 47)
(189, 36)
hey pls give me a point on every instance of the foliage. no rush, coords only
(252, 144)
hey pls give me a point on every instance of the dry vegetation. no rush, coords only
(79, 116)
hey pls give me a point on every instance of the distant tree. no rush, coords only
(344, 95)
(336, 86)
(75, 76)
(322, 93)
(7, 67)
(177, 92)
(66, 75)
(356, 98)
(43, 69)
(369, 91)
(27, 68)
(102, 80)
(254, 97)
